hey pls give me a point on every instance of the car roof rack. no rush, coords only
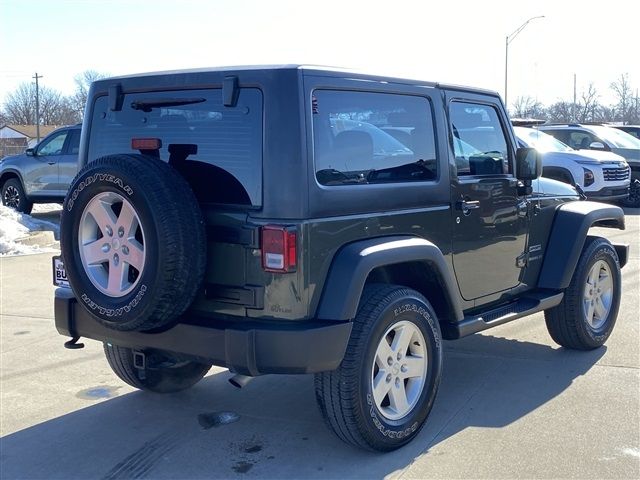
(526, 122)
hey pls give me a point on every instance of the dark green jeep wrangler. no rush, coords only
(307, 220)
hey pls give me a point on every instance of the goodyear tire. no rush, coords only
(162, 372)
(587, 314)
(133, 242)
(382, 392)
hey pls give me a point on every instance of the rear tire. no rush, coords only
(587, 314)
(13, 196)
(382, 392)
(164, 372)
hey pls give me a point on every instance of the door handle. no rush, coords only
(51, 163)
(467, 205)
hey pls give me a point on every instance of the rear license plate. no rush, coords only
(59, 273)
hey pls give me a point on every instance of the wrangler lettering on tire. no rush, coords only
(134, 254)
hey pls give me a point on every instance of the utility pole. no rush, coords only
(574, 99)
(37, 108)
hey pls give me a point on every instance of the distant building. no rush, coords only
(16, 139)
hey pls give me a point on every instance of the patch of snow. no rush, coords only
(633, 452)
(46, 207)
(15, 226)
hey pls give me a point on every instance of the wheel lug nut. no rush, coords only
(388, 378)
(404, 368)
(121, 232)
(109, 231)
(116, 259)
(125, 250)
(390, 361)
(399, 355)
(397, 382)
(106, 247)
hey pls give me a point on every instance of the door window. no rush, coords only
(478, 140)
(582, 140)
(53, 145)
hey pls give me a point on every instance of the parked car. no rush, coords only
(603, 138)
(601, 175)
(211, 224)
(630, 129)
(41, 174)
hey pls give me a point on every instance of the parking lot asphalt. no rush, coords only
(512, 404)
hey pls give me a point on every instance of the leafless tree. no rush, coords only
(55, 109)
(528, 107)
(561, 111)
(589, 105)
(83, 82)
(624, 94)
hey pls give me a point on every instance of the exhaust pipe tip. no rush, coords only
(239, 380)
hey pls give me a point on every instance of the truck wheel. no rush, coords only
(133, 242)
(587, 314)
(382, 392)
(633, 200)
(13, 196)
(163, 372)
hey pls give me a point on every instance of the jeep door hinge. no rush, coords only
(521, 261)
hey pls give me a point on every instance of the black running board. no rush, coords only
(524, 306)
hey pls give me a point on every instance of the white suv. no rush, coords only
(602, 138)
(601, 175)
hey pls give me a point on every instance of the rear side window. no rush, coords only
(478, 141)
(219, 142)
(366, 137)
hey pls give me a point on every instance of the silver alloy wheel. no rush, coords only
(598, 294)
(399, 370)
(11, 197)
(112, 246)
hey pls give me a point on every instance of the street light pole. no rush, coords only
(508, 39)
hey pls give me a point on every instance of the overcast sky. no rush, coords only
(456, 41)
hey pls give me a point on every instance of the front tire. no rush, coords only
(163, 372)
(13, 196)
(587, 314)
(382, 392)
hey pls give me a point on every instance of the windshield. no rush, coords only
(543, 142)
(617, 137)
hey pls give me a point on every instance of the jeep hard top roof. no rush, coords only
(328, 71)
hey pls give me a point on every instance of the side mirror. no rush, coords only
(30, 152)
(528, 165)
(597, 146)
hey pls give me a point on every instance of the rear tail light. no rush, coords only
(146, 144)
(279, 251)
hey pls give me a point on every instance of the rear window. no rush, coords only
(227, 138)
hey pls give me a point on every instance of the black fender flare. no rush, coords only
(354, 262)
(568, 234)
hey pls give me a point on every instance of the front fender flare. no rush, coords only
(568, 234)
(353, 263)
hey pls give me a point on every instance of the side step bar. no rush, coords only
(527, 305)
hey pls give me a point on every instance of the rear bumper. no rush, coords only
(252, 348)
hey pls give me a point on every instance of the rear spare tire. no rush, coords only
(133, 242)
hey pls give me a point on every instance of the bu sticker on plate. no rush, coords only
(59, 273)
